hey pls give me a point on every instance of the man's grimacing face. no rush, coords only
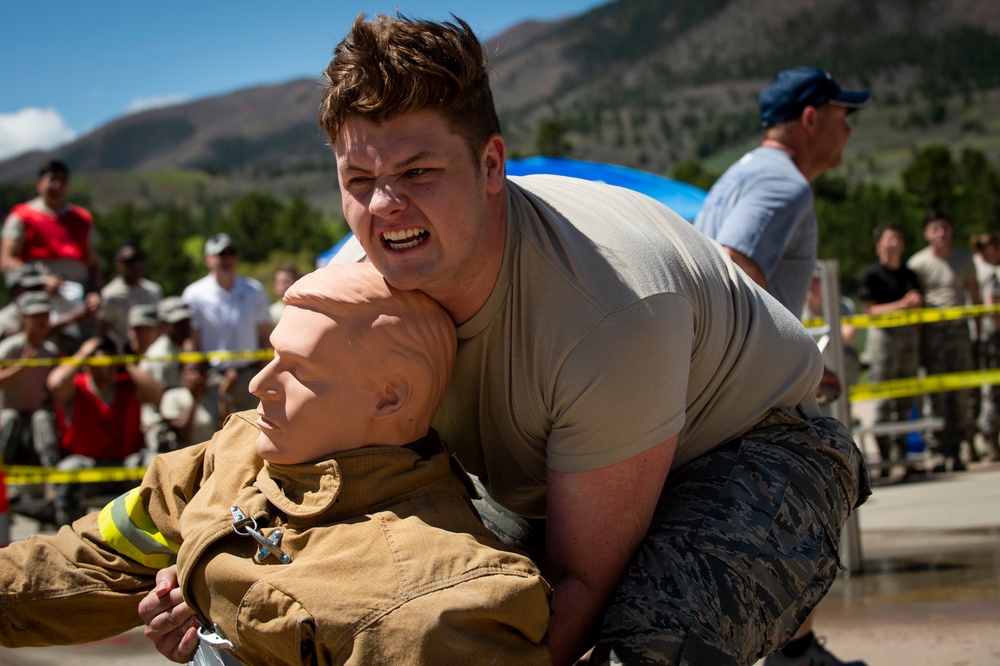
(416, 198)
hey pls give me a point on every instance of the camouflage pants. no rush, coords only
(989, 411)
(893, 353)
(946, 347)
(70, 500)
(26, 439)
(743, 545)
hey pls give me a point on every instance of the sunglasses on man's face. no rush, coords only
(228, 252)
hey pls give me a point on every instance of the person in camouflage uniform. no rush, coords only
(947, 279)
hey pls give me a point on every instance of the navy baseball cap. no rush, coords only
(795, 89)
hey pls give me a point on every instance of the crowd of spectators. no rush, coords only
(58, 307)
(84, 411)
(940, 275)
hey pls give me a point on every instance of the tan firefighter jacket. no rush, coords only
(380, 560)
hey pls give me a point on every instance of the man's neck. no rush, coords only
(799, 157)
(463, 301)
(779, 145)
(105, 393)
(942, 251)
(892, 263)
(225, 280)
(56, 206)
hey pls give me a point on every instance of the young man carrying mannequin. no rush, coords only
(603, 342)
(367, 549)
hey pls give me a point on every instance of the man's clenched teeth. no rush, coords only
(403, 239)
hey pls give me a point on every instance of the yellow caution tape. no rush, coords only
(904, 388)
(183, 357)
(914, 386)
(20, 475)
(910, 317)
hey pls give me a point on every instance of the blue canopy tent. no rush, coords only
(323, 258)
(683, 199)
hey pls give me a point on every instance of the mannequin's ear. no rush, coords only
(391, 398)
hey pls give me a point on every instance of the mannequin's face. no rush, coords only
(313, 401)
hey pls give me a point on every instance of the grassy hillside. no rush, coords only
(645, 84)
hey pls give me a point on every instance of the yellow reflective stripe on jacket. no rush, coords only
(127, 528)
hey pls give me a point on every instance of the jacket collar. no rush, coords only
(355, 482)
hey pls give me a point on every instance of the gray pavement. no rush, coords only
(929, 591)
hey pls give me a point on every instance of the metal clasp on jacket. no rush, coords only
(212, 649)
(213, 636)
(268, 545)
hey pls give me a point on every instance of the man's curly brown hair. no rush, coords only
(388, 67)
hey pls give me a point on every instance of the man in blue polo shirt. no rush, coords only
(761, 212)
(761, 209)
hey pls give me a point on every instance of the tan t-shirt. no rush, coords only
(117, 297)
(943, 281)
(614, 325)
(176, 401)
(26, 391)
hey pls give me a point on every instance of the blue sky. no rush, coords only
(67, 67)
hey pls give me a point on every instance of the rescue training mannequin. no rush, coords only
(331, 526)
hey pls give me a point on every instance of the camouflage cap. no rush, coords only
(173, 309)
(34, 302)
(26, 276)
(142, 315)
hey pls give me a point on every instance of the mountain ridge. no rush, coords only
(647, 85)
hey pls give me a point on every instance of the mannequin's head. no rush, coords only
(356, 363)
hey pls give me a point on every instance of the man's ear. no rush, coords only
(809, 118)
(494, 163)
(391, 398)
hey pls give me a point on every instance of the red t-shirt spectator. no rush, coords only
(99, 430)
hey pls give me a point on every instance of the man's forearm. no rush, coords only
(573, 628)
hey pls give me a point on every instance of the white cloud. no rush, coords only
(32, 129)
(155, 102)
